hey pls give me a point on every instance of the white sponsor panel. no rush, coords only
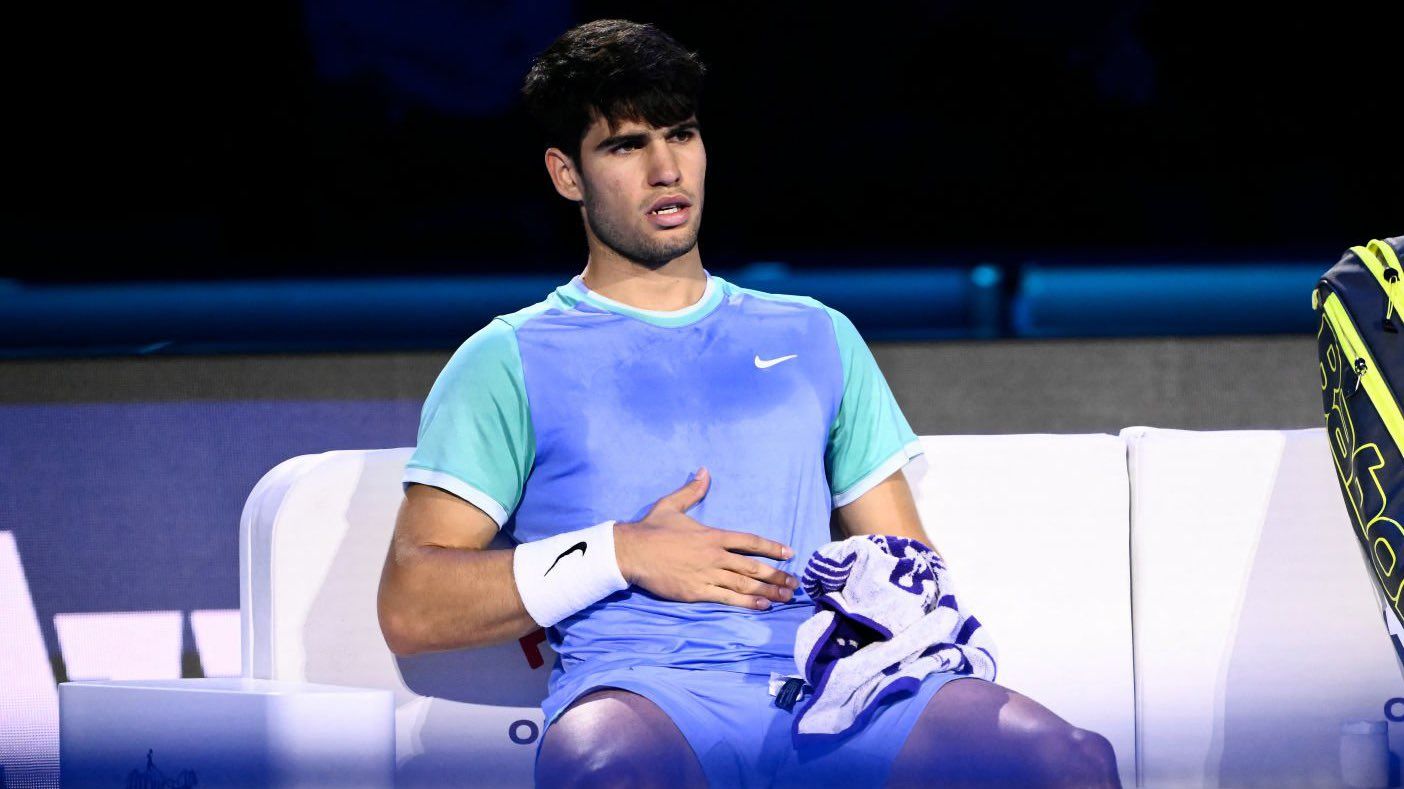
(120, 644)
(226, 732)
(217, 640)
(29, 749)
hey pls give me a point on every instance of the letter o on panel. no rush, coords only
(532, 731)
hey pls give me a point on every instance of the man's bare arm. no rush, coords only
(441, 588)
(888, 508)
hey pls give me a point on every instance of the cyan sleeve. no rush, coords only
(475, 435)
(870, 438)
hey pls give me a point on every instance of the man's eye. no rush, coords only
(683, 135)
(624, 147)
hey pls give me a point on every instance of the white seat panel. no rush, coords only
(315, 535)
(1036, 530)
(1256, 629)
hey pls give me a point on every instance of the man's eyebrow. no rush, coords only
(637, 139)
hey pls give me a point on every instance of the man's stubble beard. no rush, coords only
(634, 247)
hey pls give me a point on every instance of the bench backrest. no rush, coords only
(1253, 612)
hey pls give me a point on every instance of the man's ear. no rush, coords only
(565, 176)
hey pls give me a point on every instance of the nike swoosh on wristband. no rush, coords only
(580, 546)
(764, 363)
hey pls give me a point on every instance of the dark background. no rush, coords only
(349, 138)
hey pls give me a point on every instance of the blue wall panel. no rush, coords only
(1165, 300)
(135, 506)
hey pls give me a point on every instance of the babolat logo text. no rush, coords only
(1367, 464)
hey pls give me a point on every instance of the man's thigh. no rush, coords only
(863, 756)
(613, 737)
(977, 733)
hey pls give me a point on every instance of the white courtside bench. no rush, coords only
(1196, 597)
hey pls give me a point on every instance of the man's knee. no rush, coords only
(584, 768)
(569, 759)
(614, 738)
(1072, 756)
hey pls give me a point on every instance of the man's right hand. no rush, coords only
(675, 557)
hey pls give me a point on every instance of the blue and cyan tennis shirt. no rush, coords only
(580, 409)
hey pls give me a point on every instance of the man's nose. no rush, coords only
(662, 165)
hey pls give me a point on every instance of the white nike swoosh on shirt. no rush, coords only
(764, 363)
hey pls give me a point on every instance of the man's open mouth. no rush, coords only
(669, 205)
(670, 212)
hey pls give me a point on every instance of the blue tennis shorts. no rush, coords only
(743, 740)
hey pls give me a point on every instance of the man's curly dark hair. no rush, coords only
(615, 69)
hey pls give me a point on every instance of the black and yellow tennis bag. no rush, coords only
(1360, 344)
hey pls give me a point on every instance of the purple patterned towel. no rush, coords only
(886, 617)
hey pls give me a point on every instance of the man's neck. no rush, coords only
(675, 285)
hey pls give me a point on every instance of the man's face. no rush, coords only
(642, 188)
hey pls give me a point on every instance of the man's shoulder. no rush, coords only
(797, 302)
(500, 333)
(495, 346)
(515, 320)
(805, 306)
(839, 328)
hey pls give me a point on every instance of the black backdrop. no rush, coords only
(324, 138)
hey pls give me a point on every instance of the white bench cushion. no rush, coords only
(1256, 628)
(313, 540)
(1036, 530)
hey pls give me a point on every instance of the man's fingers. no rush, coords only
(688, 495)
(750, 586)
(717, 594)
(754, 544)
(759, 570)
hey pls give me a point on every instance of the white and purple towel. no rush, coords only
(887, 616)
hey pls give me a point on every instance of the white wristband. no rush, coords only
(560, 575)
